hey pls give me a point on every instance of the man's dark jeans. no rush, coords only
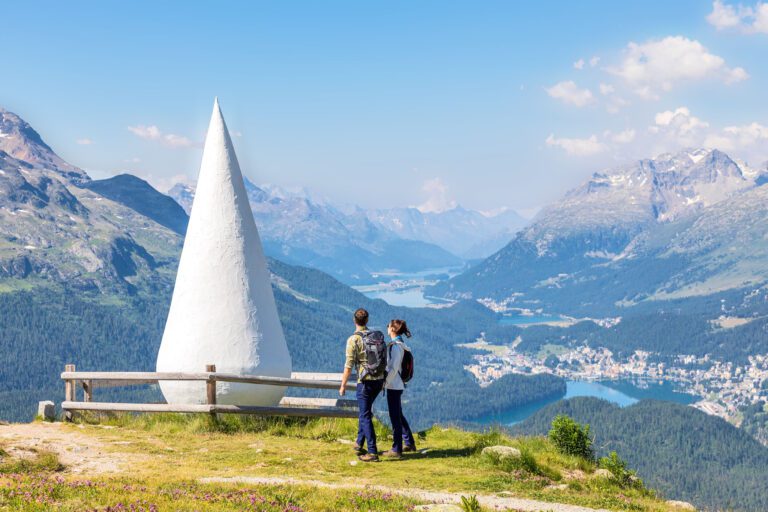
(367, 391)
(400, 428)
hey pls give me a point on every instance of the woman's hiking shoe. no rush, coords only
(409, 448)
(391, 454)
(369, 457)
(359, 450)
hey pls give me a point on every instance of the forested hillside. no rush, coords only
(676, 449)
(46, 328)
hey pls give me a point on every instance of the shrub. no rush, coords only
(509, 464)
(621, 475)
(571, 438)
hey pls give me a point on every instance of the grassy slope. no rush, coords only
(177, 450)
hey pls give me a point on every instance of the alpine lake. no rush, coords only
(407, 289)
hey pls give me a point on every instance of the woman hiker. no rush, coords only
(394, 386)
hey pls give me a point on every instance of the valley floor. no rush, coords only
(180, 464)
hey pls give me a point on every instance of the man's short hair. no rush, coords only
(361, 317)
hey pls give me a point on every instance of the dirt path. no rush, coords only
(496, 502)
(80, 453)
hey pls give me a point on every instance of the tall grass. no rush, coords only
(325, 429)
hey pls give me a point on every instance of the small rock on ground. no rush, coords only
(502, 452)
(682, 505)
(440, 507)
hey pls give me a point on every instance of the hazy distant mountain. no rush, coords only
(350, 242)
(299, 229)
(685, 223)
(468, 233)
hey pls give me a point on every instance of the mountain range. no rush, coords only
(298, 230)
(350, 242)
(682, 225)
(467, 233)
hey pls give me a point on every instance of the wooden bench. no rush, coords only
(288, 406)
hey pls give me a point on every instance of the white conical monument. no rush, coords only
(223, 310)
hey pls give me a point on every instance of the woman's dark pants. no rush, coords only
(400, 429)
(367, 391)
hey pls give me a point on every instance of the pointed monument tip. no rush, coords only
(216, 114)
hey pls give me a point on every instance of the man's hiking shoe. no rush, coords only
(369, 457)
(409, 448)
(391, 454)
(359, 450)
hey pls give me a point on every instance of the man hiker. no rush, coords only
(367, 353)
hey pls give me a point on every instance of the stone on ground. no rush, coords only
(46, 410)
(603, 473)
(502, 452)
(682, 505)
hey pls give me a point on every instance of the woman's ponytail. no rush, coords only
(400, 327)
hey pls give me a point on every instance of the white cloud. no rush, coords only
(723, 16)
(680, 119)
(659, 65)
(735, 75)
(613, 102)
(747, 19)
(579, 64)
(152, 132)
(720, 142)
(761, 19)
(680, 127)
(437, 197)
(623, 137)
(145, 132)
(570, 93)
(594, 61)
(577, 147)
(84, 141)
(606, 89)
(747, 135)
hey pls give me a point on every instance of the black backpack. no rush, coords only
(406, 367)
(375, 349)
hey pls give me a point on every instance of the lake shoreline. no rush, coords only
(621, 392)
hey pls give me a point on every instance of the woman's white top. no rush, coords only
(394, 363)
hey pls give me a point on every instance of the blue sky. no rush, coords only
(488, 104)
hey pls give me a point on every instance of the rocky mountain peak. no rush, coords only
(19, 140)
(671, 185)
